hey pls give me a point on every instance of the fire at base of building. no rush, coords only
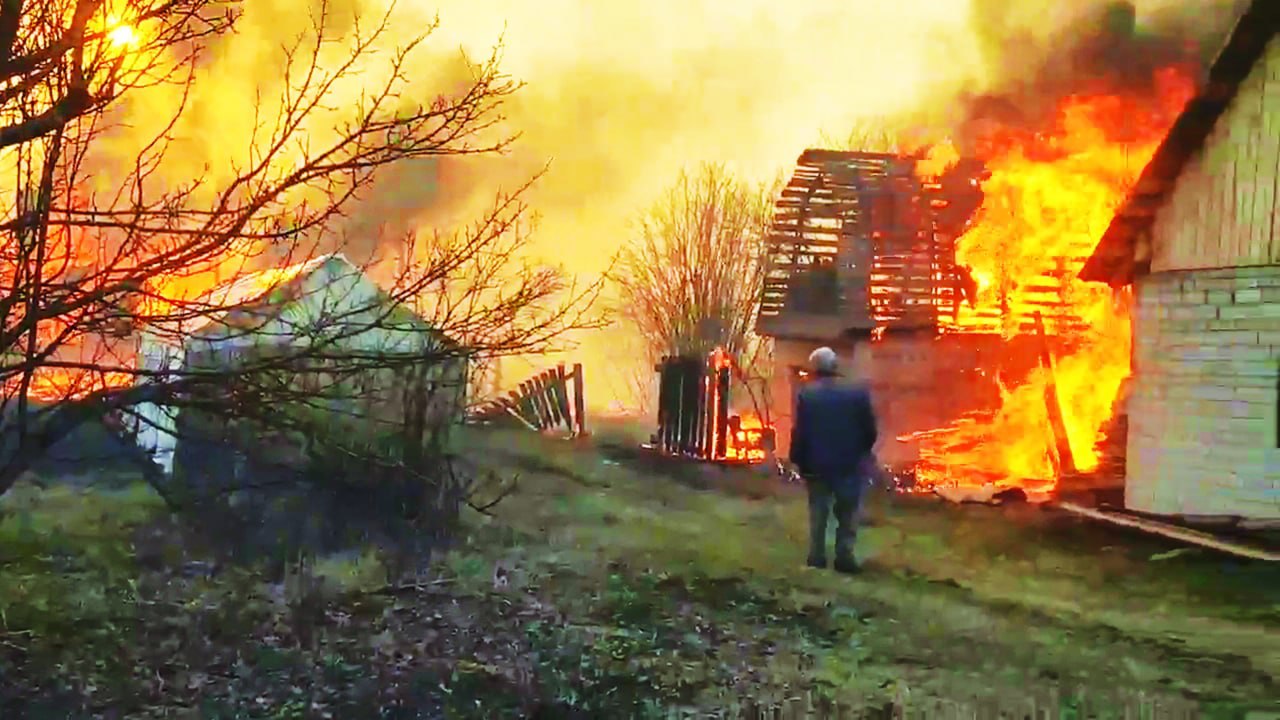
(863, 258)
(695, 418)
(1030, 384)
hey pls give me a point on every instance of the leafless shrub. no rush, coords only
(691, 279)
(866, 135)
(893, 134)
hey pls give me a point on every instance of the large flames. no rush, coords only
(1050, 197)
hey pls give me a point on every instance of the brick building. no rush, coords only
(1199, 240)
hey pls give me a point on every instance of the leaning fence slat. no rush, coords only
(549, 398)
(524, 422)
(530, 408)
(562, 397)
(555, 391)
(541, 402)
(511, 403)
(551, 382)
(579, 402)
(522, 404)
(539, 395)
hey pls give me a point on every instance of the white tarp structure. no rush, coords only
(327, 297)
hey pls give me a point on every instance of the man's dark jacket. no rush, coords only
(833, 432)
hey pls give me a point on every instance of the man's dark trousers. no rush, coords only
(841, 499)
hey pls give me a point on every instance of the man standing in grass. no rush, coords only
(833, 433)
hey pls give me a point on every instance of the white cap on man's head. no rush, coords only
(823, 361)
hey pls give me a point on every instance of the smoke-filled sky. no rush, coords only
(621, 95)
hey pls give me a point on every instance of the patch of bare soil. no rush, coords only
(215, 650)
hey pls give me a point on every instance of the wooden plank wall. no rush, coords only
(806, 240)
(1224, 211)
(908, 259)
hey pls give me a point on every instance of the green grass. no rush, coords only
(630, 586)
(66, 557)
(959, 599)
(68, 580)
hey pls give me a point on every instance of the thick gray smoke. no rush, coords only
(1034, 55)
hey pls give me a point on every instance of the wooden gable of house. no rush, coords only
(1222, 209)
(1209, 192)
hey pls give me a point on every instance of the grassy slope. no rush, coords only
(959, 600)
(629, 588)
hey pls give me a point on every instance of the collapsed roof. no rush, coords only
(862, 240)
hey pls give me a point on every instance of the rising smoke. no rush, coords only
(1036, 53)
(622, 95)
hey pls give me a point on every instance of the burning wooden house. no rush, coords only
(1198, 240)
(862, 248)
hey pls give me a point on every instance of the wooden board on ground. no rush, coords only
(1195, 537)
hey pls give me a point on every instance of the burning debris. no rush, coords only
(694, 417)
(890, 250)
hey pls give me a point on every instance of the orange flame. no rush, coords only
(746, 443)
(937, 160)
(745, 434)
(1050, 197)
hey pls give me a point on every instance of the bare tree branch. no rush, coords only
(214, 269)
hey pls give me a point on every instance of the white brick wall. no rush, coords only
(1203, 413)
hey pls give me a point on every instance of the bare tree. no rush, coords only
(893, 134)
(61, 60)
(866, 135)
(87, 276)
(692, 279)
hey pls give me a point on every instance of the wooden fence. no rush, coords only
(693, 407)
(693, 413)
(550, 400)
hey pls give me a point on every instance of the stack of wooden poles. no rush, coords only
(693, 408)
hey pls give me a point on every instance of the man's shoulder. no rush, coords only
(836, 389)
